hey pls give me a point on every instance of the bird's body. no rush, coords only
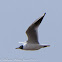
(32, 33)
(33, 46)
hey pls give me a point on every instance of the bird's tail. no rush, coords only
(45, 46)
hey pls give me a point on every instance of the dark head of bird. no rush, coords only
(21, 47)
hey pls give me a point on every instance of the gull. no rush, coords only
(32, 34)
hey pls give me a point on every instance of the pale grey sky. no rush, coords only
(15, 18)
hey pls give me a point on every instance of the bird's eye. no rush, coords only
(21, 47)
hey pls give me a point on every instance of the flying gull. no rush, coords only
(32, 34)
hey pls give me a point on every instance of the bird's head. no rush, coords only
(21, 47)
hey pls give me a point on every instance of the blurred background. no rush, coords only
(16, 16)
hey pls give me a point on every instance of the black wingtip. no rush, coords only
(44, 13)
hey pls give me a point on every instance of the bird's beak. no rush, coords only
(17, 48)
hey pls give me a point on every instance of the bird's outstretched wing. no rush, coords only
(32, 31)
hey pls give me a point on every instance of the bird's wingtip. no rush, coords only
(44, 13)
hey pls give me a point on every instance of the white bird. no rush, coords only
(32, 33)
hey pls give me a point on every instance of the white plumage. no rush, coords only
(32, 33)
